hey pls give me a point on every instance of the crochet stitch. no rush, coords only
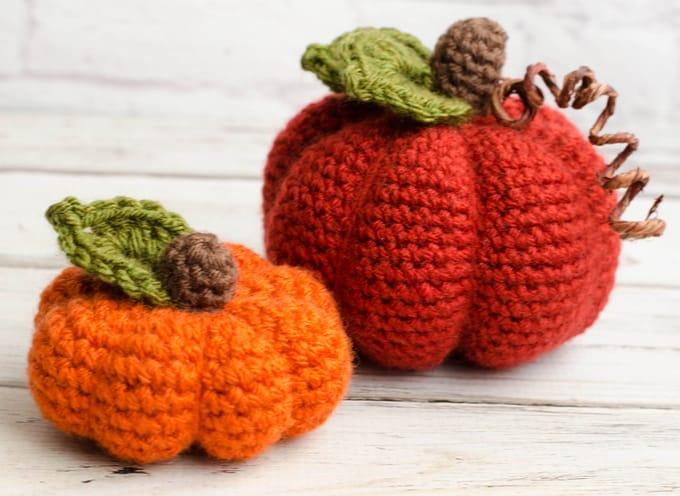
(121, 241)
(495, 238)
(476, 238)
(146, 382)
(468, 59)
(387, 67)
(198, 272)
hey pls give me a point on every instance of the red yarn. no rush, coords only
(476, 238)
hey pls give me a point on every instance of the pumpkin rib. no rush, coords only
(546, 233)
(64, 411)
(521, 341)
(246, 402)
(62, 396)
(347, 250)
(319, 120)
(146, 383)
(316, 363)
(305, 335)
(323, 252)
(419, 342)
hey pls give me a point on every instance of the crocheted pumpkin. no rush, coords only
(443, 215)
(168, 338)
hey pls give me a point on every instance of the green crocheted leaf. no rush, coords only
(387, 67)
(120, 241)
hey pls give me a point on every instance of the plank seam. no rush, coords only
(149, 174)
(482, 401)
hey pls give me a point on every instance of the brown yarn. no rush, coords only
(579, 88)
(198, 272)
(468, 59)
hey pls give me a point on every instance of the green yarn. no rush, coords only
(387, 67)
(120, 241)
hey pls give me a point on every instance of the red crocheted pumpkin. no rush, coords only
(447, 234)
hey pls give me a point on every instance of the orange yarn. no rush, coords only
(147, 382)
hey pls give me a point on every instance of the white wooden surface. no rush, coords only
(179, 100)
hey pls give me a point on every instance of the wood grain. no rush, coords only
(12, 29)
(627, 362)
(239, 61)
(209, 147)
(378, 447)
(179, 102)
(628, 358)
(231, 209)
(228, 208)
(131, 146)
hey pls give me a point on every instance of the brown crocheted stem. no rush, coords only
(578, 90)
(468, 59)
(198, 272)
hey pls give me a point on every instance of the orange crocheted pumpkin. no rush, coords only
(169, 338)
(444, 218)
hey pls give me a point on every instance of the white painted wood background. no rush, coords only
(178, 100)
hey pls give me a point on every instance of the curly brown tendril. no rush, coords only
(580, 88)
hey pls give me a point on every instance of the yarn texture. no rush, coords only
(121, 241)
(148, 381)
(477, 239)
(494, 237)
(198, 272)
(387, 67)
(468, 59)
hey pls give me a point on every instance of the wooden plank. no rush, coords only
(219, 59)
(119, 145)
(253, 106)
(600, 415)
(629, 357)
(377, 447)
(208, 147)
(12, 27)
(231, 209)
(118, 40)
